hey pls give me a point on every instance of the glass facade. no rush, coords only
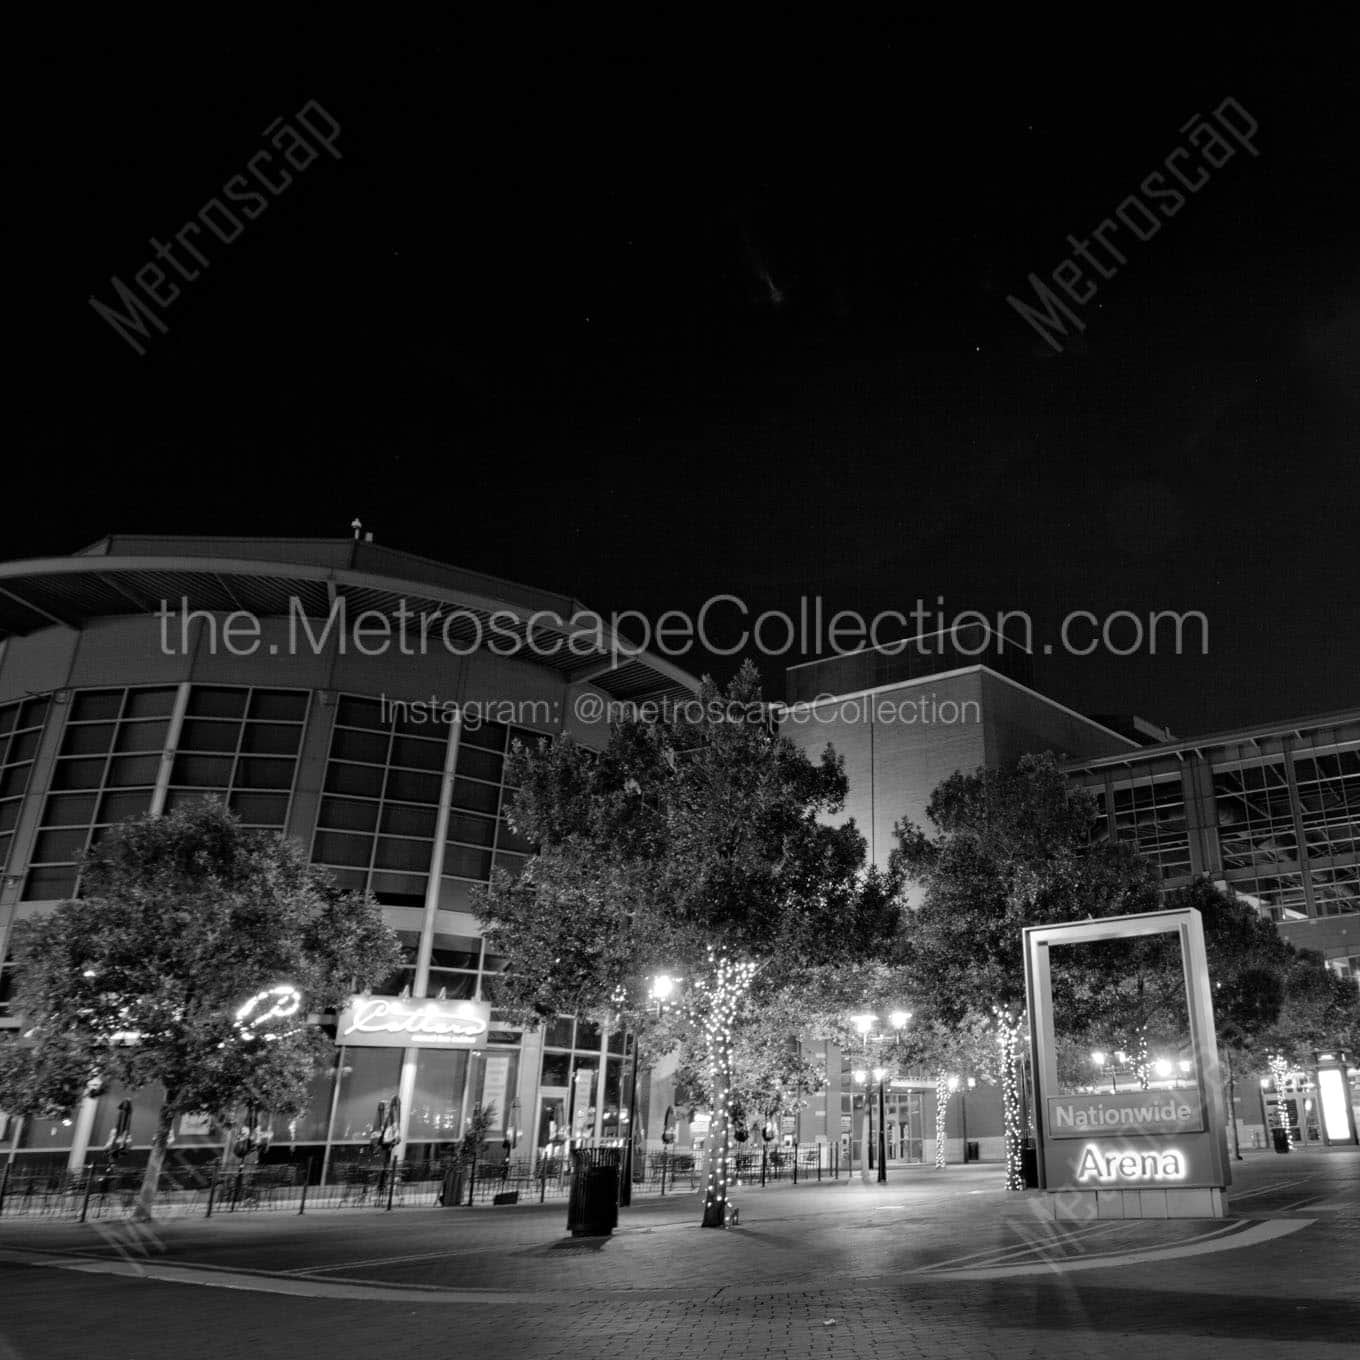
(1281, 826)
(106, 770)
(121, 749)
(20, 727)
(240, 745)
(1151, 814)
(376, 825)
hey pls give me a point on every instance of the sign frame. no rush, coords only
(1146, 1172)
(412, 1022)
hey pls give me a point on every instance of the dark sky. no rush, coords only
(668, 314)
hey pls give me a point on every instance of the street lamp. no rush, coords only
(879, 1074)
(663, 987)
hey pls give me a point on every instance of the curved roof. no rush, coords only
(133, 574)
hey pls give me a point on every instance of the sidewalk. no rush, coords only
(931, 1261)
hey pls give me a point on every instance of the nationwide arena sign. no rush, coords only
(1125, 1112)
(412, 1022)
(1156, 1153)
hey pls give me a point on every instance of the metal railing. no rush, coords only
(213, 1188)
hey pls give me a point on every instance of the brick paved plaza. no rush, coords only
(934, 1263)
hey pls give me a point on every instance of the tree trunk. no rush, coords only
(719, 1142)
(941, 1114)
(146, 1196)
(1013, 1127)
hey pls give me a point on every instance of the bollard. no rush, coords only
(819, 1163)
(306, 1181)
(472, 1180)
(663, 1174)
(542, 1180)
(391, 1186)
(795, 1163)
(764, 1158)
(85, 1203)
(212, 1190)
(4, 1186)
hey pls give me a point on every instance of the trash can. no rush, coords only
(1029, 1167)
(970, 1150)
(593, 1209)
(455, 1187)
(1280, 1137)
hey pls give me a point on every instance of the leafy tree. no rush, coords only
(951, 1049)
(697, 846)
(1010, 848)
(184, 918)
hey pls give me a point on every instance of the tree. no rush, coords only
(183, 921)
(698, 846)
(1011, 848)
(958, 1049)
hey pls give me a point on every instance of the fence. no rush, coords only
(206, 1189)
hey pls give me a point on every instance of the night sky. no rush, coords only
(668, 314)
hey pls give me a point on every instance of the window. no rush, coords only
(21, 725)
(105, 771)
(1256, 836)
(1329, 803)
(1150, 813)
(479, 837)
(376, 823)
(240, 745)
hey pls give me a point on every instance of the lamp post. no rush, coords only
(863, 1024)
(662, 989)
(898, 1020)
(879, 1074)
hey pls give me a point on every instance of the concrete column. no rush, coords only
(80, 1139)
(407, 1087)
(171, 746)
(1296, 810)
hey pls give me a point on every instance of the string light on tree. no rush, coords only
(1279, 1071)
(941, 1114)
(717, 1000)
(1008, 1033)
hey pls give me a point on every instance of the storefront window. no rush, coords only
(367, 1076)
(437, 1101)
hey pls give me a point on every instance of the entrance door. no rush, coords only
(906, 1114)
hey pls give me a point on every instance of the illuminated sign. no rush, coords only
(280, 1002)
(1336, 1105)
(1167, 1144)
(1126, 1167)
(1142, 1112)
(409, 1022)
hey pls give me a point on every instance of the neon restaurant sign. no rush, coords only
(412, 1022)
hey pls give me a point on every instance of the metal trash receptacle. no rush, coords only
(1280, 1138)
(455, 1187)
(593, 1209)
(970, 1151)
(1029, 1167)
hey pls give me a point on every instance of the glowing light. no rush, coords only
(1162, 1067)
(898, 1019)
(941, 1111)
(1098, 1058)
(1008, 1034)
(863, 1023)
(1165, 1164)
(663, 986)
(1335, 1105)
(860, 1076)
(880, 1073)
(280, 1002)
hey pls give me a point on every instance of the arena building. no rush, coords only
(358, 699)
